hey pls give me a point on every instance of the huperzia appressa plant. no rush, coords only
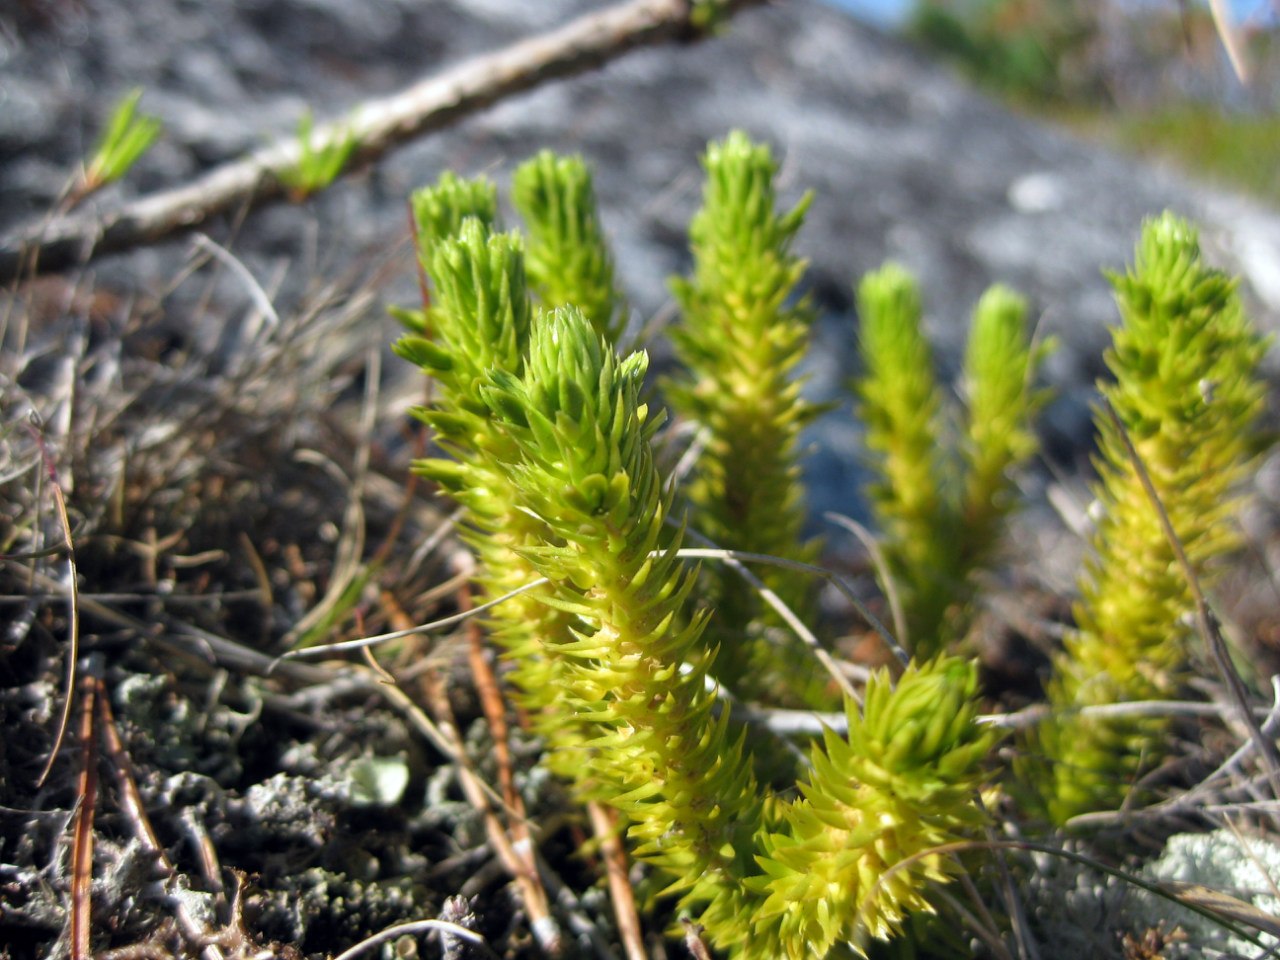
(852, 858)
(901, 410)
(939, 501)
(863, 844)
(479, 322)
(438, 210)
(1000, 404)
(567, 257)
(1186, 390)
(585, 471)
(741, 338)
(437, 213)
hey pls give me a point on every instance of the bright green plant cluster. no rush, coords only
(128, 136)
(741, 338)
(439, 210)
(476, 321)
(566, 256)
(547, 441)
(549, 449)
(320, 161)
(808, 875)
(941, 508)
(1184, 359)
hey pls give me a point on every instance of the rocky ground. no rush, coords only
(236, 476)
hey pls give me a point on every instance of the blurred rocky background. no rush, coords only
(908, 159)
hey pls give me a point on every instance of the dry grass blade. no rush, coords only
(734, 559)
(415, 927)
(604, 825)
(1215, 901)
(431, 627)
(739, 556)
(73, 609)
(883, 573)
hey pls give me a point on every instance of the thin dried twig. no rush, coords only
(543, 925)
(82, 837)
(604, 823)
(135, 812)
(790, 723)
(377, 126)
(881, 563)
(737, 557)
(442, 623)
(1195, 799)
(411, 928)
(190, 641)
(536, 902)
(735, 560)
(73, 604)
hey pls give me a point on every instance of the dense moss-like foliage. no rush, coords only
(478, 322)
(568, 259)
(741, 338)
(546, 439)
(585, 471)
(846, 862)
(941, 501)
(1184, 360)
(862, 844)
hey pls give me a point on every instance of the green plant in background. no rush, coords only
(1185, 359)
(940, 509)
(1000, 405)
(1232, 148)
(567, 258)
(438, 210)
(128, 136)
(479, 322)
(318, 164)
(739, 343)
(1021, 48)
(900, 405)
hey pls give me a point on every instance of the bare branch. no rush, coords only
(377, 126)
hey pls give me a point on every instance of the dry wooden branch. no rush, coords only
(378, 126)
